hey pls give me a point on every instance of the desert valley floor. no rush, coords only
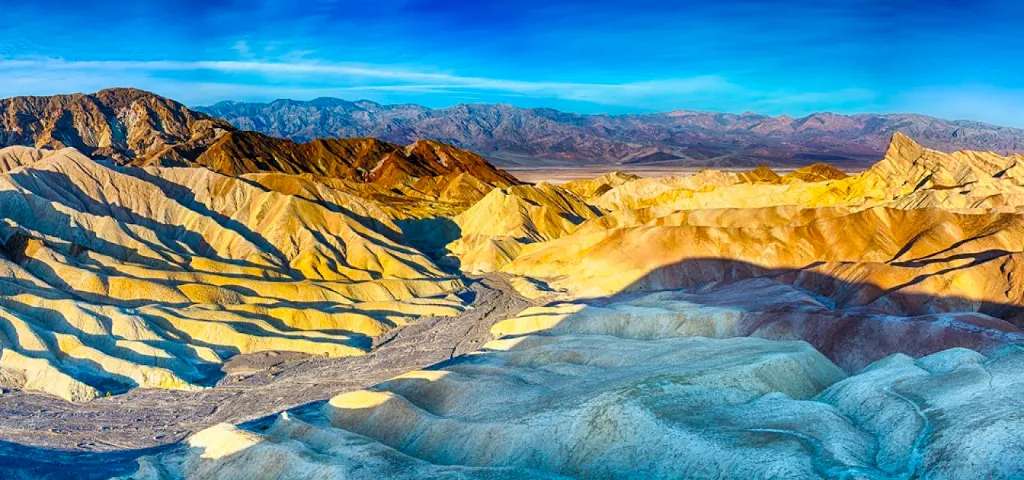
(246, 307)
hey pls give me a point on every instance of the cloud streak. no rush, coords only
(370, 78)
(199, 82)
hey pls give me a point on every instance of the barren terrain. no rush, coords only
(193, 301)
(122, 427)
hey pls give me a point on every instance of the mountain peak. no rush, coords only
(125, 92)
(909, 166)
(128, 125)
(903, 148)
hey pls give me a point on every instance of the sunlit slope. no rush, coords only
(118, 277)
(592, 187)
(494, 230)
(975, 255)
(908, 176)
(358, 159)
(125, 124)
(19, 156)
(918, 222)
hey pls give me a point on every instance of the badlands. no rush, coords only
(223, 304)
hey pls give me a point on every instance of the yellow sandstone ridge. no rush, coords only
(494, 230)
(121, 277)
(918, 212)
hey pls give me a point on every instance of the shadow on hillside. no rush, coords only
(61, 232)
(21, 462)
(852, 322)
(29, 209)
(431, 236)
(840, 293)
(57, 187)
(187, 198)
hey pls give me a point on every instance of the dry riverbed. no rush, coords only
(45, 437)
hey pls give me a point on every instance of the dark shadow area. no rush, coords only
(853, 322)
(20, 462)
(697, 273)
(431, 236)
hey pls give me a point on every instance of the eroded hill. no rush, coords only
(748, 325)
(121, 277)
(135, 127)
(125, 124)
(738, 324)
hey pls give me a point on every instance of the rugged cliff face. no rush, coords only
(139, 128)
(127, 125)
(530, 137)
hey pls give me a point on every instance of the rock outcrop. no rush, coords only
(127, 125)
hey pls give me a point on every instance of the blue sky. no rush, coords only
(960, 60)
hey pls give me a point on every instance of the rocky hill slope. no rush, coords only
(531, 137)
(120, 277)
(127, 125)
(738, 324)
(134, 127)
(360, 159)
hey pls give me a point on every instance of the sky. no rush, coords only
(951, 59)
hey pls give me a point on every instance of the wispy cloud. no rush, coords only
(201, 82)
(842, 96)
(242, 48)
(361, 77)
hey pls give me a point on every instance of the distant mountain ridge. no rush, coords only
(515, 136)
(135, 127)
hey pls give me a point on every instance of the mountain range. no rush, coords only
(527, 137)
(135, 127)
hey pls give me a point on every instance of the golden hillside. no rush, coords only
(812, 324)
(119, 277)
